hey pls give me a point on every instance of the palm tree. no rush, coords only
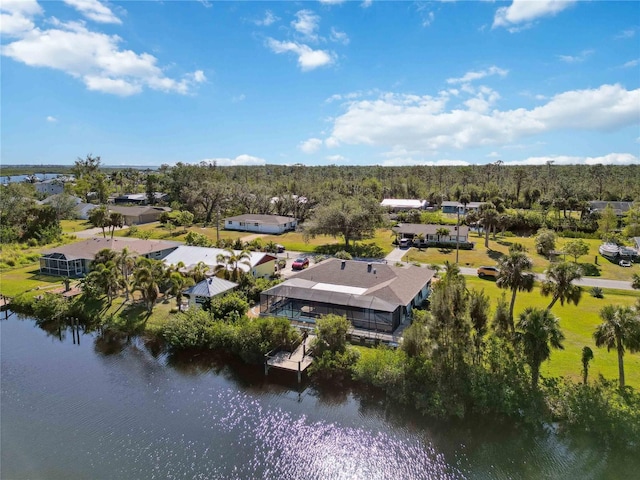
(230, 263)
(126, 262)
(620, 329)
(515, 275)
(442, 232)
(199, 271)
(559, 283)
(587, 356)
(488, 217)
(116, 220)
(106, 278)
(538, 332)
(147, 276)
(178, 283)
(103, 256)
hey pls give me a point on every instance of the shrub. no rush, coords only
(343, 255)
(132, 231)
(197, 239)
(229, 307)
(596, 292)
(545, 241)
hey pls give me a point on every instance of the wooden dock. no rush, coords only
(296, 361)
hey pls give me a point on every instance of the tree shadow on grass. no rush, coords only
(495, 254)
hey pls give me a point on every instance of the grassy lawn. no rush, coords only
(14, 255)
(72, 226)
(489, 256)
(19, 280)
(160, 232)
(578, 324)
(295, 241)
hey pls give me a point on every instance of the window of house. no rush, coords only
(229, 222)
(256, 224)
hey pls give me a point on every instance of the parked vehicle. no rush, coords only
(280, 248)
(404, 243)
(300, 263)
(488, 272)
(624, 263)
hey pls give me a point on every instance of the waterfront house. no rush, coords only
(250, 222)
(260, 264)
(208, 289)
(74, 259)
(372, 296)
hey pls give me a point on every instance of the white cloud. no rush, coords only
(609, 159)
(310, 146)
(238, 98)
(332, 2)
(51, 119)
(308, 59)
(269, 19)
(306, 23)
(424, 124)
(427, 19)
(576, 58)
(526, 11)
(335, 158)
(471, 76)
(409, 161)
(625, 34)
(366, 3)
(17, 17)
(234, 162)
(339, 37)
(96, 59)
(631, 63)
(94, 10)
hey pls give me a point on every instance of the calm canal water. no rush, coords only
(95, 411)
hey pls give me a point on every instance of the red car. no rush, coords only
(300, 263)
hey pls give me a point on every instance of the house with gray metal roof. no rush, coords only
(372, 296)
(74, 259)
(250, 222)
(208, 289)
(428, 233)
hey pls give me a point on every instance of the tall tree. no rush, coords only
(479, 315)
(147, 276)
(116, 220)
(99, 218)
(576, 248)
(488, 218)
(620, 329)
(538, 332)
(177, 284)
(126, 263)
(559, 283)
(352, 218)
(230, 263)
(515, 275)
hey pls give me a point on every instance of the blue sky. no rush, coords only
(319, 83)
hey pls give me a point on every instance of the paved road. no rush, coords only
(397, 254)
(94, 232)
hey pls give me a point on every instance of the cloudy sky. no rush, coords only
(328, 82)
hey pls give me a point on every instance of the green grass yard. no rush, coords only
(178, 234)
(578, 324)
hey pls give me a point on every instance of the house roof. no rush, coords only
(135, 211)
(346, 282)
(211, 287)
(190, 256)
(448, 203)
(264, 219)
(87, 249)
(403, 203)
(418, 228)
(619, 207)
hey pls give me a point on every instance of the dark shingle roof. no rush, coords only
(88, 248)
(393, 285)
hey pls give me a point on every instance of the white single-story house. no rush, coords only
(403, 204)
(372, 296)
(208, 289)
(261, 264)
(74, 259)
(251, 222)
(412, 230)
(455, 207)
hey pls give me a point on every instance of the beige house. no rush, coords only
(139, 215)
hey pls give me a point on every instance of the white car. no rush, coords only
(624, 263)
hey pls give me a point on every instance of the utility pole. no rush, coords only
(458, 235)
